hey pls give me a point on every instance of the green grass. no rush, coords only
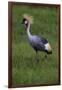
(25, 69)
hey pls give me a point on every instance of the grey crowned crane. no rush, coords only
(38, 43)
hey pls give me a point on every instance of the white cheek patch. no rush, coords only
(47, 47)
(26, 22)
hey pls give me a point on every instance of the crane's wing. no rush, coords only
(41, 39)
(38, 43)
(38, 39)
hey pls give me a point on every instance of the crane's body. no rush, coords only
(38, 43)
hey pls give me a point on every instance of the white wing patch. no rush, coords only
(48, 47)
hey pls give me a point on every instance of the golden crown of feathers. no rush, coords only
(29, 18)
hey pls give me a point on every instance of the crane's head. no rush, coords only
(27, 19)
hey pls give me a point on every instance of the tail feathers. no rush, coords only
(49, 52)
(48, 48)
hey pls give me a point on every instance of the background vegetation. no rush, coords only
(25, 70)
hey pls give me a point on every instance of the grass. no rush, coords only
(25, 70)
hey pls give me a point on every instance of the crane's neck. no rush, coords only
(28, 30)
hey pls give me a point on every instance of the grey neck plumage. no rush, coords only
(28, 30)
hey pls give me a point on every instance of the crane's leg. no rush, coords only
(37, 57)
(45, 55)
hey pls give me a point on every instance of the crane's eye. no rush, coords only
(26, 22)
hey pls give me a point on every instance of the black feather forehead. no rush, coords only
(24, 19)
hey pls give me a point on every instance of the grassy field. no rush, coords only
(25, 70)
